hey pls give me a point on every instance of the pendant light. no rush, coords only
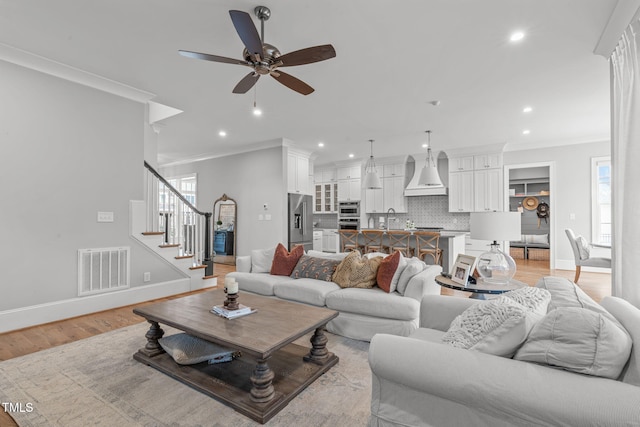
(371, 179)
(429, 174)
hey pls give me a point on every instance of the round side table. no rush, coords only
(481, 289)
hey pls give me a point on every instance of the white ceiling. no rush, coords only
(393, 59)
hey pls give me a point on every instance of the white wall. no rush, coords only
(252, 179)
(68, 151)
(572, 189)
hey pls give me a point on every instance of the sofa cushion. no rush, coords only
(565, 293)
(284, 261)
(578, 340)
(261, 260)
(315, 268)
(356, 271)
(387, 270)
(629, 316)
(497, 327)
(331, 255)
(258, 283)
(427, 334)
(373, 302)
(413, 267)
(309, 291)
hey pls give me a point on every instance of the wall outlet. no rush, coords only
(105, 216)
(147, 276)
(572, 216)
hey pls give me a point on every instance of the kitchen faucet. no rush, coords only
(387, 220)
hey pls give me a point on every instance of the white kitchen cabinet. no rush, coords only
(460, 164)
(393, 194)
(475, 247)
(329, 175)
(349, 172)
(395, 169)
(330, 240)
(325, 197)
(349, 189)
(317, 240)
(461, 191)
(488, 190)
(487, 161)
(374, 201)
(298, 173)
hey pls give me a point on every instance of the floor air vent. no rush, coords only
(102, 270)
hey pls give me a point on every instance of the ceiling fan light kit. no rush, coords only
(264, 58)
(429, 174)
(371, 178)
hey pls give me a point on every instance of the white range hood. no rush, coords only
(418, 161)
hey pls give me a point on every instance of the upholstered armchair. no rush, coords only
(583, 256)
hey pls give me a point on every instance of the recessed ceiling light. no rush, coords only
(527, 109)
(351, 156)
(425, 145)
(526, 132)
(222, 133)
(320, 144)
(257, 112)
(517, 36)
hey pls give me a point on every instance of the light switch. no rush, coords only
(260, 217)
(572, 216)
(267, 217)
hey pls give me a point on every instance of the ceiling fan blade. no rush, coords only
(292, 82)
(247, 31)
(246, 83)
(214, 58)
(308, 55)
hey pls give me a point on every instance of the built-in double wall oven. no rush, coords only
(349, 215)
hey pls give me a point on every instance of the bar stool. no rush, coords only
(373, 240)
(427, 243)
(349, 241)
(400, 241)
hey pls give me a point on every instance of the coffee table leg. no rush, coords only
(153, 348)
(261, 378)
(318, 353)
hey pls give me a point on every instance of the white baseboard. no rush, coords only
(50, 312)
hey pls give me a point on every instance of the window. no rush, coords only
(186, 185)
(601, 200)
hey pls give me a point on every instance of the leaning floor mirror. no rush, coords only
(225, 230)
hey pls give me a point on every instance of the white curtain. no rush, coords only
(625, 157)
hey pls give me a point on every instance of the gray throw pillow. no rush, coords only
(414, 266)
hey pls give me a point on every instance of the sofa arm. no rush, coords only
(495, 388)
(243, 264)
(424, 283)
(438, 311)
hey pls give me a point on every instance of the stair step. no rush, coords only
(209, 277)
(173, 245)
(152, 233)
(184, 256)
(196, 267)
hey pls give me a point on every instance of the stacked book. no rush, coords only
(242, 310)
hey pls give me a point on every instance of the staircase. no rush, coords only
(169, 225)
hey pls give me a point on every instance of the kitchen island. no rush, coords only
(452, 243)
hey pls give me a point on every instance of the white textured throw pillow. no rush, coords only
(189, 350)
(413, 267)
(261, 260)
(497, 327)
(583, 247)
(534, 299)
(578, 340)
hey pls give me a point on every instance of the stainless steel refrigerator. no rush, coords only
(300, 221)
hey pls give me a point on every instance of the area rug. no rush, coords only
(96, 382)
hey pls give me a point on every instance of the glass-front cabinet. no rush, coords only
(326, 197)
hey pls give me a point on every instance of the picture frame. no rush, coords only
(465, 259)
(460, 273)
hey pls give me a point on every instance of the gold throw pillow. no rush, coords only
(356, 271)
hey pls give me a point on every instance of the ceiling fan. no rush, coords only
(263, 57)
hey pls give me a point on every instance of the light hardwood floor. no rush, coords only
(25, 341)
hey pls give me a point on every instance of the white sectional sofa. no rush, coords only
(363, 312)
(422, 381)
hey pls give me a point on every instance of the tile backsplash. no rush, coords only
(424, 211)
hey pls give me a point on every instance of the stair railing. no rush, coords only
(181, 223)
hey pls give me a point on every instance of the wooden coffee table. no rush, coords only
(271, 371)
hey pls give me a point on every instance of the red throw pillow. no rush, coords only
(387, 269)
(283, 261)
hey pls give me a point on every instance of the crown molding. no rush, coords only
(623, 13)
(57, 69)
